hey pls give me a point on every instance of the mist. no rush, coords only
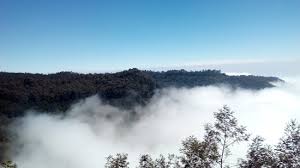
(91, 130)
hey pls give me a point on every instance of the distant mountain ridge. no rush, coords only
(183, 78)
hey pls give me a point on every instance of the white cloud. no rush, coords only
(265, 67)
(91, 131)
(237, 73)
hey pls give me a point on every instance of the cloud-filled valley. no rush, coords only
(91, 130)
(149, 84)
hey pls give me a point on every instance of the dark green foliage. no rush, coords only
(5, 136)
(56, 92)
(182, 78)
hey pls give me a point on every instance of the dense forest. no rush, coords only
(56, 92)
(182, 78)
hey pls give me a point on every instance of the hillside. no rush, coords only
(56, 92)
(182, 78)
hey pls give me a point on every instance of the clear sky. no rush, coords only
(56, 35)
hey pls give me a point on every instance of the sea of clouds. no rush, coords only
(91, 130)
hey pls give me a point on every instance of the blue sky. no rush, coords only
(87, 36)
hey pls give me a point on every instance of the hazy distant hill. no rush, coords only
(182, 78)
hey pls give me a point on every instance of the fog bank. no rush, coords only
(90, 130)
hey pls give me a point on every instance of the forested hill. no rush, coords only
(182, 78)
(56, 92)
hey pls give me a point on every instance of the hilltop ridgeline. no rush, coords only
(56, 92)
